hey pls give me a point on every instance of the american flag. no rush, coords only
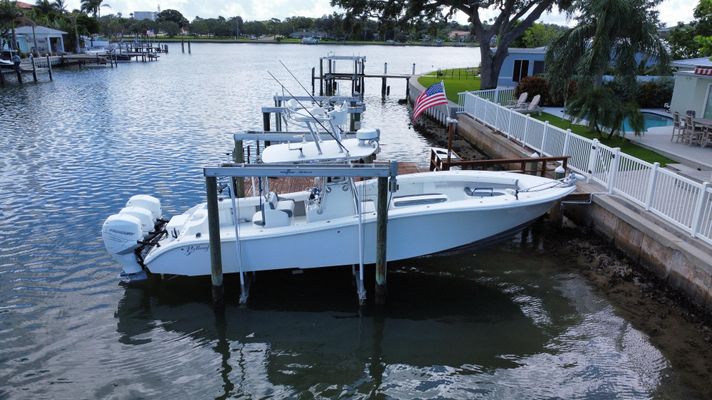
(433, 96)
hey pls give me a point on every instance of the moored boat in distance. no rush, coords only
(428, 213)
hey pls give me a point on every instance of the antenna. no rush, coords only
(309, 112)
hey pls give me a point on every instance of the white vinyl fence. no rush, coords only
(682, 202)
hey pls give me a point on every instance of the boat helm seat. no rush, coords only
(273, 218)
(285, 205)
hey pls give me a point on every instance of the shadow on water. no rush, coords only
(308, 329)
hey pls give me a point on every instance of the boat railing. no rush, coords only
(684, 203)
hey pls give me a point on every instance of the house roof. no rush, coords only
(525, 50)
(691, 63)
(39, 30)
(23, 5)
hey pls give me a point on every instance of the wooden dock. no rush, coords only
(296, 184)
(329, 76)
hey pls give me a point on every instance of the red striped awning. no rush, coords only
(703, 71)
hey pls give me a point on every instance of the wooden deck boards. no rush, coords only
(296, 184)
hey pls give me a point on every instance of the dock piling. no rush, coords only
(216, 273)
(383, 80)
(34, 69)
(355, 122)
(265, 125)
(189, 48)
(238, 156)
(381, 241)
(182, 46)
(312, 79)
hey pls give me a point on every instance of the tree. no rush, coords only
(539, 35)
(515, 16)
(687, 40)
(609, 33)
(173, 16)
(9, 15)
(91, 6)
(169, 27)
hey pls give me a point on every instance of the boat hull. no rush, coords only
(337, 241)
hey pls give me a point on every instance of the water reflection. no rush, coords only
(445, 332)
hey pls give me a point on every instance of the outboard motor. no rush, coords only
(121, 234)
(124, 233)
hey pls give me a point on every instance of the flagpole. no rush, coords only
(449, 126)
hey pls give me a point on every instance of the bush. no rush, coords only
(654, 94)
(534, 85)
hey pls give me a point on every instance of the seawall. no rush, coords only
(682, 262)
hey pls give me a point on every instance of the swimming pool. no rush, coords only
(650, 120)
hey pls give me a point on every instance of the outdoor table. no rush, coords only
(703, 121)
(706, 125)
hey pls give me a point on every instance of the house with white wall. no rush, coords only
(49, 41)
(520, 63)
(693, 84)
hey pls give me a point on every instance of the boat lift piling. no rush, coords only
(356, 108)
(386, 174)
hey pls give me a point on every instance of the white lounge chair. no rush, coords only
(521, 101)
(532, 107)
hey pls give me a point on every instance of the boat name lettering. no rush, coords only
(121, 232)
(193, 248)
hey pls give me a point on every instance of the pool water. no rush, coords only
(651, 120)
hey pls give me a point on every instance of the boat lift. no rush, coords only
(386, 174)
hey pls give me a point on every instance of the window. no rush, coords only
(538, 67)
(521, 70)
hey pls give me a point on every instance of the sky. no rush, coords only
(671, 11)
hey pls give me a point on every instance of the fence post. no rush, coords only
(543, 138)
(651, 186)
(566, 142)
(592, 156)
(526, 129)
(509, 122)
(496, 95)
(613, 169)
(697, 216)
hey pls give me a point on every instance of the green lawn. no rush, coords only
(625, 145)
(456, 80)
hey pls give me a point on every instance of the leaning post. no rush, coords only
(216, 272)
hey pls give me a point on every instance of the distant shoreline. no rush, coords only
(338, 43)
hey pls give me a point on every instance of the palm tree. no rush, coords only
(91, 6)
(609, 33)
(60, 6)
(8, 15)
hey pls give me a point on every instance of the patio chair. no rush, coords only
(677, 127)
(521, 101)
(706, 139)
(693, 132)
(532, 107)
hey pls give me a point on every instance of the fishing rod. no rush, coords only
(310, 114)
(300, 84)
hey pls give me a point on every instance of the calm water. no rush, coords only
(507, 322)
